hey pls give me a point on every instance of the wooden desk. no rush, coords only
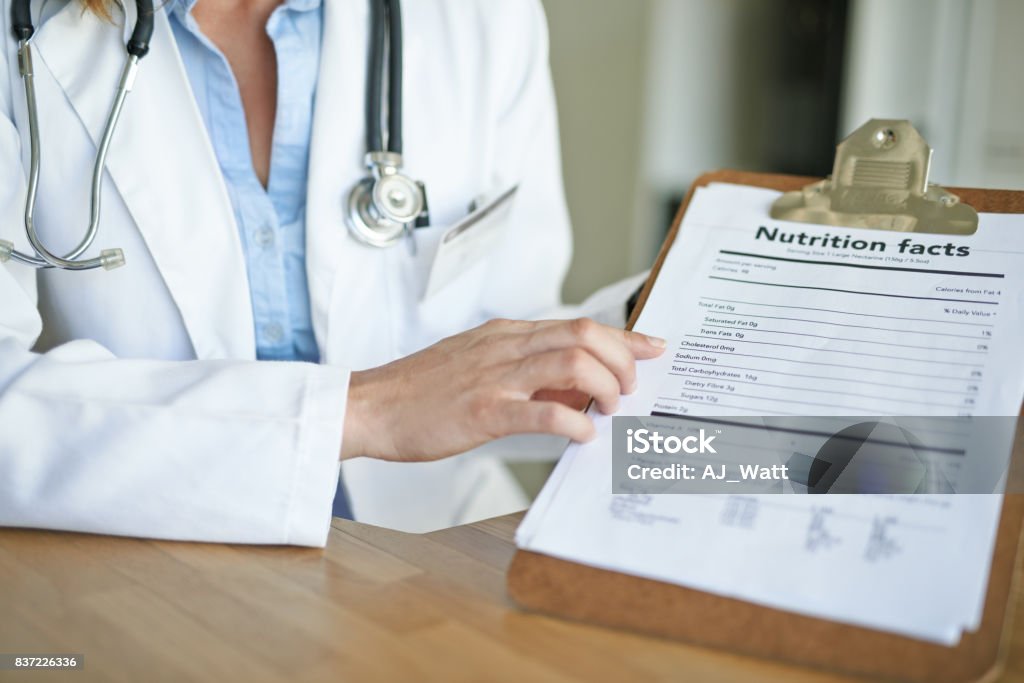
(375, 605)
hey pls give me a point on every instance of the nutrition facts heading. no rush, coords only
(829, 241)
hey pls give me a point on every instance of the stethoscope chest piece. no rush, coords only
(384, 206)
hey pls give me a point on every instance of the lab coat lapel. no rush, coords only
(347, 296)
(350, 293)
(163, 165)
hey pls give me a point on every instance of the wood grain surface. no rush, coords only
(375, 605)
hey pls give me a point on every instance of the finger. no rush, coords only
(604, 343)
(545, 417)
(576, 400)
(643, 346)
(569, 369)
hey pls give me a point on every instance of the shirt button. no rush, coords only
(273, 332)
(265, 237)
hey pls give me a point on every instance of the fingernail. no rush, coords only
(632, 387)
(657, 341)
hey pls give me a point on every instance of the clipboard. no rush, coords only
(566, 589)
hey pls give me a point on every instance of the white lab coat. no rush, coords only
(130, 401)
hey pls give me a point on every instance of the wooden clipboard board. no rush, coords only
(574, 591)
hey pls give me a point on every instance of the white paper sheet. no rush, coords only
(847, 323)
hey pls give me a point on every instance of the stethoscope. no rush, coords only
(380, 209)
(137, 47)
(387, 204)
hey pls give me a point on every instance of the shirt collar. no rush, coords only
(180, 8)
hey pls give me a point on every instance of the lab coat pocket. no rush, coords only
(426, 319)
(445, 269)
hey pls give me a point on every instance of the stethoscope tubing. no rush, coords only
(44, 257)
(385, 28)
(137, 47)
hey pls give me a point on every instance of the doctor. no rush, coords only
(207, 389)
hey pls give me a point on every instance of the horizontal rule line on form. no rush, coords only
(832, 310)
(824, 350)
(810, 432)
(902, 269)
(810, 403)
(730, 314)
(720, 380)
(810, 362)
(853, 291)
(832, 378)
(758, 411)
(845, 339)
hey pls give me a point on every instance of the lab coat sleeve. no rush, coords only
(221, 451)
(525, 277)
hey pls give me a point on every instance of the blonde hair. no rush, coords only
(100, 8)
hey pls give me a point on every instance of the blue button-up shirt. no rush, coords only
(271, 220)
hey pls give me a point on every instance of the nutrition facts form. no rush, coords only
(808, 320)
(770, 319)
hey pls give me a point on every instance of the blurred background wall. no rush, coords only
(653, 92)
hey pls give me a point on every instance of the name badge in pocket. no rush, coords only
(469, 241)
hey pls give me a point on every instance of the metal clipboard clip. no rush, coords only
(880, 181)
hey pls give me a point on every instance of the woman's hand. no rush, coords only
(505, 377)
